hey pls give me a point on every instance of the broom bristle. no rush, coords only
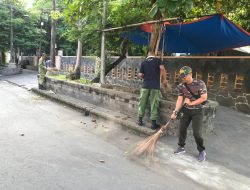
(148, 145)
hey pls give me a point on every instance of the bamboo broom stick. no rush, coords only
(147, 146)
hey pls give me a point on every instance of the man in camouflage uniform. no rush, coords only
(42, 72)
(192, 110)
(151, 71)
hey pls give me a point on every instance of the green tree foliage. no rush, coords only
(120, 12)
(5, 27)
(83, 19)
(25, 32)
(43, 10)
(169, 8)
(236, 11)
(28, 34)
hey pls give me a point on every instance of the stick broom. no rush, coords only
(147, 146)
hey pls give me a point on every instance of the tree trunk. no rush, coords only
(15, 56)
(124, 50)
(77, 70)
(156, 32)
(20, 57)
(155, 38)
(53, 36)
(76, 74)
(1, 58)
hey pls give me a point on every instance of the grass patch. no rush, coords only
(60, 77)
(82, 80)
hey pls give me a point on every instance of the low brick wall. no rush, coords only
(29, 62)
(227, 78)
(241, 103)
(89, 65)
(124, 102)
(10, 70)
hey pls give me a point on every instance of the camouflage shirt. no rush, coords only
(198, 87)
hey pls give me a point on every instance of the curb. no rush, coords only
(92, 109)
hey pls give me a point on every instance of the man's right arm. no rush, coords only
(178, 106)
(163, 75)
(141, 73)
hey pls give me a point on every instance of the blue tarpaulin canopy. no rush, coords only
(208, 34)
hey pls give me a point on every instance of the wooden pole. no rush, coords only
(12, 60)
(53, 36)
(103, 66)
(138, 24)
(150, 22)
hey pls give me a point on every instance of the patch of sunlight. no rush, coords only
(37, 98)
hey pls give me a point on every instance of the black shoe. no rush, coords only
(140, 122)
(41, 87)
(154, 126)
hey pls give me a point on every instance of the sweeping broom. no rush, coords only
(147, 146)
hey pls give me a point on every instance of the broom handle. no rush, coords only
(163, 128)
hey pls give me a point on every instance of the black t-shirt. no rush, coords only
(151, 70)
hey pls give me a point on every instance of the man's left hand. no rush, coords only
(187, 101)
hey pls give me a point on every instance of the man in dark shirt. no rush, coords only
(192, 110)
(151, 72)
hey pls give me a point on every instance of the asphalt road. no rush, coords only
(44, 145)
(47, 146)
